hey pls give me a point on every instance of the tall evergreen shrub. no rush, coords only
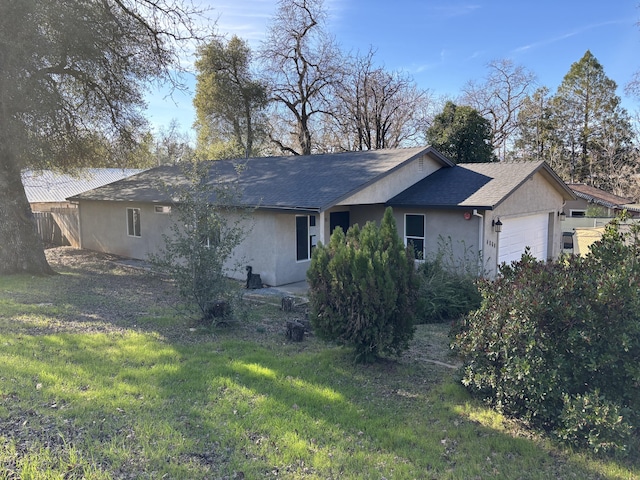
(363, 290)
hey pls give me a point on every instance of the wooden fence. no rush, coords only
(59, 226)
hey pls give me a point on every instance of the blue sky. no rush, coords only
(445, 43)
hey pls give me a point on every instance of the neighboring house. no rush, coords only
(591, 210)
(490, 210)
(607, 204)
(47, 192)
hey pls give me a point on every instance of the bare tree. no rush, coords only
(171, 145)
(302, 67)
(499, 98)
(380, 109)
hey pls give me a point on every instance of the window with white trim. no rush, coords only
(414, 233)
(306, 236)
(133, 222)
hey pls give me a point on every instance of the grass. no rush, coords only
(88, 395)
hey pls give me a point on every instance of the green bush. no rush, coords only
(444, 295)
(207, 225)
(551, 338)
(591, 421)
(363, 289)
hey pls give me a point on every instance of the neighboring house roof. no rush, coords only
(312, 182)
(600, 197)
(46, 186)
(475, 185)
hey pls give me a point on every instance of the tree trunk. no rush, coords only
(21, 249)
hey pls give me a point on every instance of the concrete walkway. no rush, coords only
(299, 290)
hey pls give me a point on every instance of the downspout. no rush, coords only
(480, 238)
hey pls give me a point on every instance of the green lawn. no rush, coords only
(100, 378)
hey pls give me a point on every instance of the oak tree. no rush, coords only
(462, 134)
(499, 98)
(302, 66)
(376, 108)
(72, 77)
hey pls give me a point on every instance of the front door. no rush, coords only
(339, 219)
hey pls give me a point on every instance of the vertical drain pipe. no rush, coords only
(480, 239)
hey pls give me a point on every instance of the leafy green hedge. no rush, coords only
(558, 344)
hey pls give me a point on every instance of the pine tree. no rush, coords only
(592, 131)
(363, 290)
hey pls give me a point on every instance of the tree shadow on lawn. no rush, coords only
(163, 398)
(90, 298)
(137, 403)
(394, 415)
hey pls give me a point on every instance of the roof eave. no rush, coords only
(443, 206)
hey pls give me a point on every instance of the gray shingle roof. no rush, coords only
(46, 186)
(312, 182)
(474, 185)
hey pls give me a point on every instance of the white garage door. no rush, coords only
(518, 233)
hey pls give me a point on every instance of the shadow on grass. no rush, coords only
(134, 404)
(134, 399)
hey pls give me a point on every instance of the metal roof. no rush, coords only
(46, 186)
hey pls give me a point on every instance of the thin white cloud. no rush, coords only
(573, 33)
(247, 19)
(423, 67)
(476, 54)
(450, 11)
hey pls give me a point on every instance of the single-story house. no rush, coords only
(489, 211)
(47, 192)
(608, 204)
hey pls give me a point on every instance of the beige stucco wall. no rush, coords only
(269, 245)
(103, 228)
(535, 196)
(270, 248)
(583, 205)
(448, 232)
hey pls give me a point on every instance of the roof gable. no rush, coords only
(475, 185)
(598, 196)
